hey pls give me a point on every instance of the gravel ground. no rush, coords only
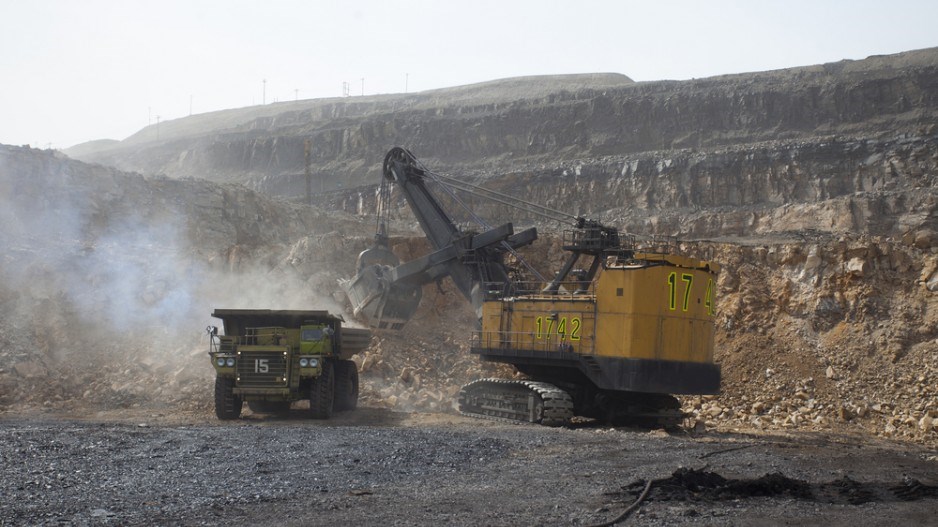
(375, 467)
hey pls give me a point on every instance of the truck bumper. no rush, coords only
(267, 393)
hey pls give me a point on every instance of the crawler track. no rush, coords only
(516, 401)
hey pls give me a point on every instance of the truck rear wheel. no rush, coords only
(322, 393)
(227, 404)
(346, 385)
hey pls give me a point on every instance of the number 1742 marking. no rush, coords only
(688, 280)
(545, 327)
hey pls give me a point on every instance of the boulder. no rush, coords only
(857, 267)
(30, 369)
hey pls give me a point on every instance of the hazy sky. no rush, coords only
(77, 70)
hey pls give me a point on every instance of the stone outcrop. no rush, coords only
(775, 189)
(837, 148)
(536, 121)
(840, 333)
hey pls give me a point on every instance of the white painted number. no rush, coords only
(260, 366)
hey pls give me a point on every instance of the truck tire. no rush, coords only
(322, 393)
(280, 408)
(227, 404)
(346, 385)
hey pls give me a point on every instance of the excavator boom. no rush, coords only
(387, 294)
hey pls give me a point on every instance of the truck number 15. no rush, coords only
(260, 366)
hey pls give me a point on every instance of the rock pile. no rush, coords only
(841, 333)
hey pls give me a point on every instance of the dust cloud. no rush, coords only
(106, 287)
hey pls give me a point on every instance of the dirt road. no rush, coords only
(375, 467)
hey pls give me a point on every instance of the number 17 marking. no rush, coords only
(688, 280)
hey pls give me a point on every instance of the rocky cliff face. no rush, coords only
(767, 190)
(540, 120)
(844, 147)
(348, 137)
(828, 333)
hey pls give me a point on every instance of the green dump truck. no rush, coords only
(271, 358)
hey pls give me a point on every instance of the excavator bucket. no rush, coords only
(372, 293)
(385, 305)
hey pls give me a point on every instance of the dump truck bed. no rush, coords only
(351, 340)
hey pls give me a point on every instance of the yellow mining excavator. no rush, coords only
(614, 340)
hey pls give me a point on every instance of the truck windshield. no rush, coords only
(312, 334)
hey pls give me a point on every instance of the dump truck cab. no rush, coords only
(315, 339)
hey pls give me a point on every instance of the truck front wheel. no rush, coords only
(322, 393)
(227, 404)
(346, 385)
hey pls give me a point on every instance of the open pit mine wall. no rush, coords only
(880, 187)
(876, 98)
(49, 200)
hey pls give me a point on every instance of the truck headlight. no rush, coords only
(304, 362)
(230, 361)
(313, 363)
(220, 361)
